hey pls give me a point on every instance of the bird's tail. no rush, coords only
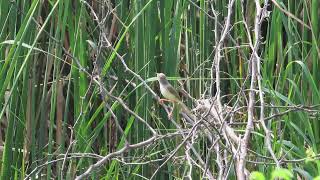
(186, 110)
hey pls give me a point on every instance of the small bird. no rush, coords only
(171, 95)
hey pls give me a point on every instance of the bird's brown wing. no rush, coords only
(173, 92)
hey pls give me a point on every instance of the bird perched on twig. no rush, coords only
(171, 95)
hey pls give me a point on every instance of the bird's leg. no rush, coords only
(162, 100)
(168, 100)
(170, 114)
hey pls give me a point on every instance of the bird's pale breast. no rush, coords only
(167, 94)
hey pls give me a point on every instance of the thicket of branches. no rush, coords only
(80, 98)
